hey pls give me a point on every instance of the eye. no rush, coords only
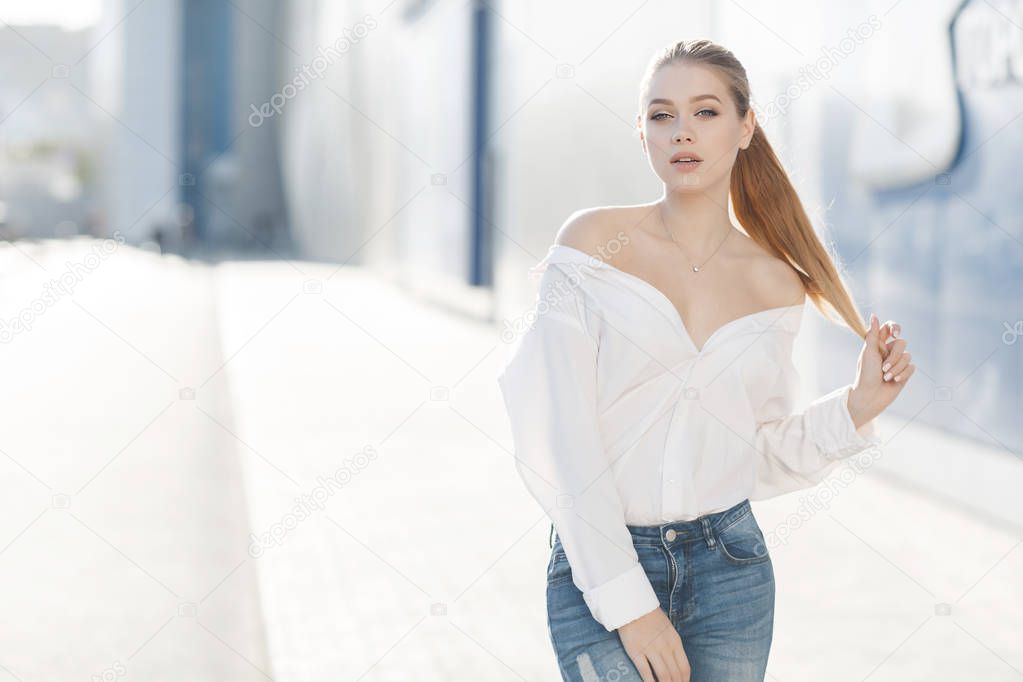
(709, 111)
(656, 116)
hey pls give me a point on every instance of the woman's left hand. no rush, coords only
(883, 369)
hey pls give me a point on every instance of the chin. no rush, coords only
(690, 182)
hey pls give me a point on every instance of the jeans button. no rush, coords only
(670, 534)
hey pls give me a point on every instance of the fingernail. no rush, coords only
(887, 376)
(887, 366)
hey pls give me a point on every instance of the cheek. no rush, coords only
(721, 147)
(658, 143)
(724, 142)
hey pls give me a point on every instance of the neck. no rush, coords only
(698, 220)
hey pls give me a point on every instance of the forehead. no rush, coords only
(678, 82)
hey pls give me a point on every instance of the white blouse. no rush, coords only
(618, 418)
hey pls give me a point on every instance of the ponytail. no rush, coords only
(768, 208)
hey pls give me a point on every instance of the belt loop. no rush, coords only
(551, 538)
(707, 532)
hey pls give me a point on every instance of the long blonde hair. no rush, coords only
(763, 198)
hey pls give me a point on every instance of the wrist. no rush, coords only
(857, 410)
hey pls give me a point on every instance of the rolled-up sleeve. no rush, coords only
(797, 450)
(549, 386)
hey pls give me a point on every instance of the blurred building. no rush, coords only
(444, 143)
(183, 165)
(461, 135)
(47, 154)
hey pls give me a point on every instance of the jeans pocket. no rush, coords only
(558, 569)
(742, 542)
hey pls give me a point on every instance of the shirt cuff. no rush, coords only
(833, 429)
(622, 599)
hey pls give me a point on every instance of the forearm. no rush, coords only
(857, 410)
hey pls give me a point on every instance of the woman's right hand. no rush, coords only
(651, 641)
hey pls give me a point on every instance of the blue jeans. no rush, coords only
(714, 580)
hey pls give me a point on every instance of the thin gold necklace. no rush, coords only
(696, 268)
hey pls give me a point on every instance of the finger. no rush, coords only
(894, 329)
(671, 661)
(898, 367)
(643, 667)
(887, 337)
(884, 344)
(682, 662)
(872, 329)
(906, 374)
(895, 352)
(660, 667)
(878, 335)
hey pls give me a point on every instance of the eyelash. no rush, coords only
(663, 113)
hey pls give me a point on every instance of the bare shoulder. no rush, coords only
(780, 280)
(589, 229)
(775, 277)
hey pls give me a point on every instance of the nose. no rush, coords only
(681, 135)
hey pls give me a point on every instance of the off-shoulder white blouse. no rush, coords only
(618, 418)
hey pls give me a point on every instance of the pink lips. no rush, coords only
(683, 155)
(686, 166)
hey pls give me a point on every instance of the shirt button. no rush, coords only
(670, 534)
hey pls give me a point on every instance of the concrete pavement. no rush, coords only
(346, 458)
(122, 545)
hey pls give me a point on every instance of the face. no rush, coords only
(687, 110)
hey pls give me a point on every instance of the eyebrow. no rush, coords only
(658, 100)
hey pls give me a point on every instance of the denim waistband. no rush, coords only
(697, 528)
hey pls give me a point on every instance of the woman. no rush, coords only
(652, 396)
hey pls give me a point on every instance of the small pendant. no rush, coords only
(696, 268)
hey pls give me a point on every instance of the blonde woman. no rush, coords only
(651, 397)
